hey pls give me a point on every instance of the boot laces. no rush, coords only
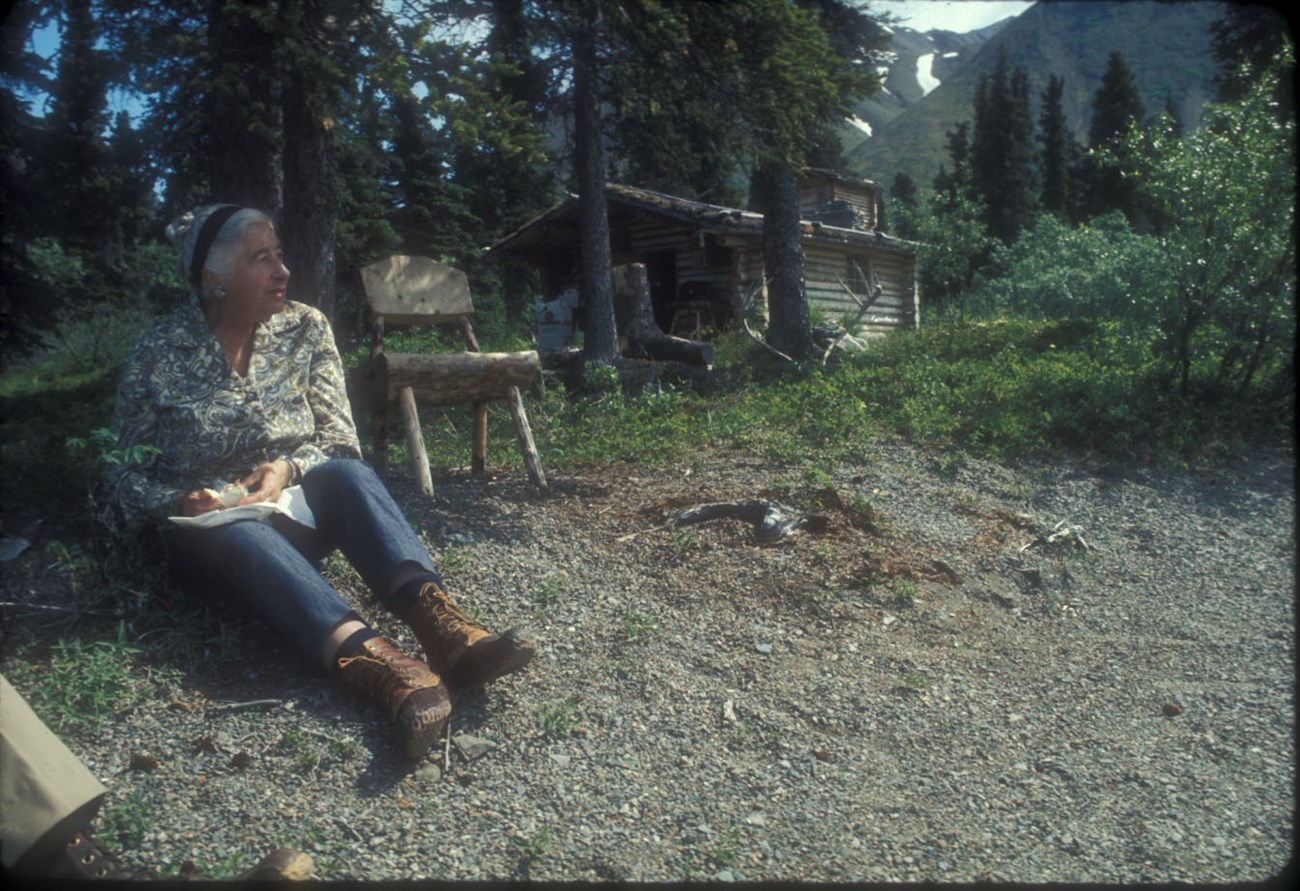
(381, 674)
(438, 600)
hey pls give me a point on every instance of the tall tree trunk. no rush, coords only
(310, 198)
(245, 119)
(600, 344)
(788, 328)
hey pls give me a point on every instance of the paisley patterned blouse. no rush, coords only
(179, 393)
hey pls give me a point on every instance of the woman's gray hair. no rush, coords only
(184, 232)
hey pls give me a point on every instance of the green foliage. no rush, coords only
(915, 680)
(559, 718)
(1226, 311)
(101, 449)
(547, 593)
(706, 855)
(953, 242)
(535, 846)
(80, 684)
(1081, 381)
(1102, 270)
(45, 403)
(126, 820)
(906, 593)
(1013, 387)
(777, 72)
(638, 626)
(305, 753)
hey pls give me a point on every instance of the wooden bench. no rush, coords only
(406, 291)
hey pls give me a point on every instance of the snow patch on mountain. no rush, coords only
(925, 73)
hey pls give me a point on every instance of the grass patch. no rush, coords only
(126, 820)
(547, 593)
(78, 684)
(559, 718)
(997, 390)
(638, 626)
(707, 855)
(1009, 388)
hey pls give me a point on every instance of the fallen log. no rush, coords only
(771, 521)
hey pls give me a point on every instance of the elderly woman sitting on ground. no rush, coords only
(242, 387)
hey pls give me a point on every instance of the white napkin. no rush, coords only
(292, 503)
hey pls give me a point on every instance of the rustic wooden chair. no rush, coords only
(407, 291)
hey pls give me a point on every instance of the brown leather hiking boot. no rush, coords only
(71, 852)
(414, 695)
(74, 853)
(465, 655)
(282, 864)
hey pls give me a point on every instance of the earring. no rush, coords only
(219, 291)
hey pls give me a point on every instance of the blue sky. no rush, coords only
(951, 15)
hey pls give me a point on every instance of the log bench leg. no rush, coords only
(478, 459)
(531, 459)
(415, 440)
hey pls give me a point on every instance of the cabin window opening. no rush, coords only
(716, 254)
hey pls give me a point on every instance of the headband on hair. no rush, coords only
(208, 234)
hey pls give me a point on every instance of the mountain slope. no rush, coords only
(914, 65)
(1167, 45)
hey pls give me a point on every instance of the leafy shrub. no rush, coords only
(1102, 270)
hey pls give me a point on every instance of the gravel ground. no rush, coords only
(1038, 674)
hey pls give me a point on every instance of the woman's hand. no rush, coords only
(267, 482)
(200, 501)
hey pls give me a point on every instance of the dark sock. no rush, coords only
(405, 597)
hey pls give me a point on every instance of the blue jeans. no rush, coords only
(273, 568)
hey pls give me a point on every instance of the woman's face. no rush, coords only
(256, 290)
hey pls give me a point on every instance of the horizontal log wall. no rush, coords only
(732, 271)
(696, 262)
(826, 266)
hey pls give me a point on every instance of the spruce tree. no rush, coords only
(1116, 106)
(1117, 103)
(1057, 150)
(903, 189)
(600, 346)
(79, 208)
(1003, 171)
(1020, 201)
(954, 235)
(23, 309)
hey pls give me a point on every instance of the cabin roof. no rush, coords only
(557, 228)
(824, 173)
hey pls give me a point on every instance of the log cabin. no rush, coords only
(703, 258)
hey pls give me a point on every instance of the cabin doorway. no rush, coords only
(661, 270)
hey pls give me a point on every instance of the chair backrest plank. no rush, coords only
(416, 291)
